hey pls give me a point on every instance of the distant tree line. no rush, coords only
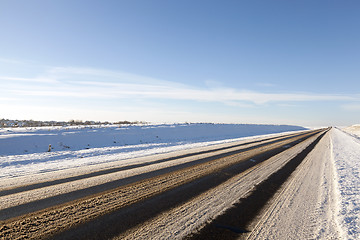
(33, 123)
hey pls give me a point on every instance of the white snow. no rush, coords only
(346, 155)
(353, 130)
(24, 151)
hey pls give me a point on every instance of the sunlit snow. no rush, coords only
(24, 151)
(346, 154)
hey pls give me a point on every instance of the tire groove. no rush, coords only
(234, 221)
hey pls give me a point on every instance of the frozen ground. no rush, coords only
(346, 155)
(24, 151)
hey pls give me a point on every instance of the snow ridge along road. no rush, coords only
(346, 157)
(206, 171)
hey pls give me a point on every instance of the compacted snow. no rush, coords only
(346, 155)
(25, 151)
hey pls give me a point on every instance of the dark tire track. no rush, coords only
(234, 221)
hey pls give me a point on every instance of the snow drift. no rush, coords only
(346, 155)
(353, 130)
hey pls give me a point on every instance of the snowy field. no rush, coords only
(346, 155)
(24, 151)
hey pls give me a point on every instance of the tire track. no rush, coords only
(242, 213)
(311, 185)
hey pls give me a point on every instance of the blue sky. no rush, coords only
(281, 62)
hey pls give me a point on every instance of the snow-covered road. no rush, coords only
(306, 205)
(190, 216)
(237, 157)
(320, 200)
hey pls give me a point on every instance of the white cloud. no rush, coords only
(263, 84)
(7, 99)
(131, 113)
(10, 61)
(286, 105)
(351, 107)
(33, 80)
(94, 83)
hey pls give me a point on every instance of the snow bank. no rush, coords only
(346, 154)
(353, 130)
(25, 150)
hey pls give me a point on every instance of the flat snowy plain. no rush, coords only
(24, 151)
(24, 155)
